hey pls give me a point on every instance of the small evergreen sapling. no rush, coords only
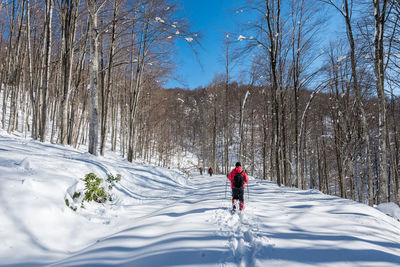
(71, 207)
(112, 179)
(93, 189)
(76, 195)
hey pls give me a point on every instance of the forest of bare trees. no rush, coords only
(312, 113)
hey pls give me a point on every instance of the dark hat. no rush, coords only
(238, 164)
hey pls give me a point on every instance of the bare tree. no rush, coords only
(346, 11)
(106, 91)
(304, 27)
(69, 13)
(155, 25)
(15, 65)
(381, 11)
(93, 8)
(46, 69)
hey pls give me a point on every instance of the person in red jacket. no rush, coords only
(237, 185)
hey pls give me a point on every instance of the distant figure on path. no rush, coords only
(210, 171)
(201, 170)
(238, 178)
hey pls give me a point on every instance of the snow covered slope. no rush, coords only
(158, 218)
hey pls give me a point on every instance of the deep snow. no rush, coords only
(160, 218)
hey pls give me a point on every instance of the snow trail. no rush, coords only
(159, 218)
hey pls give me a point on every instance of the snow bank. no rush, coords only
(35, 180)
(390, 209)
(159, 218)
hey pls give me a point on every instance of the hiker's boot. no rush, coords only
(233, 204)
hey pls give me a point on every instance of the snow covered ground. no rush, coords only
(159, 218)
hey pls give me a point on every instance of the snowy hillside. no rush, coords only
(159, 218)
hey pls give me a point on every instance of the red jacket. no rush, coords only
(231, 176)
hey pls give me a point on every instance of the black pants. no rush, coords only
(238, 193)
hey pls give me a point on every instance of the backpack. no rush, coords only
(238, 180)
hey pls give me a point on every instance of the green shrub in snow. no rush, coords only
(76, 195)
(93, 189)
(112, 179)
(67, 203)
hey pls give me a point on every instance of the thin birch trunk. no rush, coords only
(94, 72)
(108, 85)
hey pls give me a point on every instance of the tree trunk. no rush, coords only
(68, 27)
(106, 94)
(380, 17)
(240, 156)
(94, 72)
(16, 68)
(47, 60)
(33, 94)
(214, 140)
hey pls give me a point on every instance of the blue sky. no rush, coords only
(212, 18)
